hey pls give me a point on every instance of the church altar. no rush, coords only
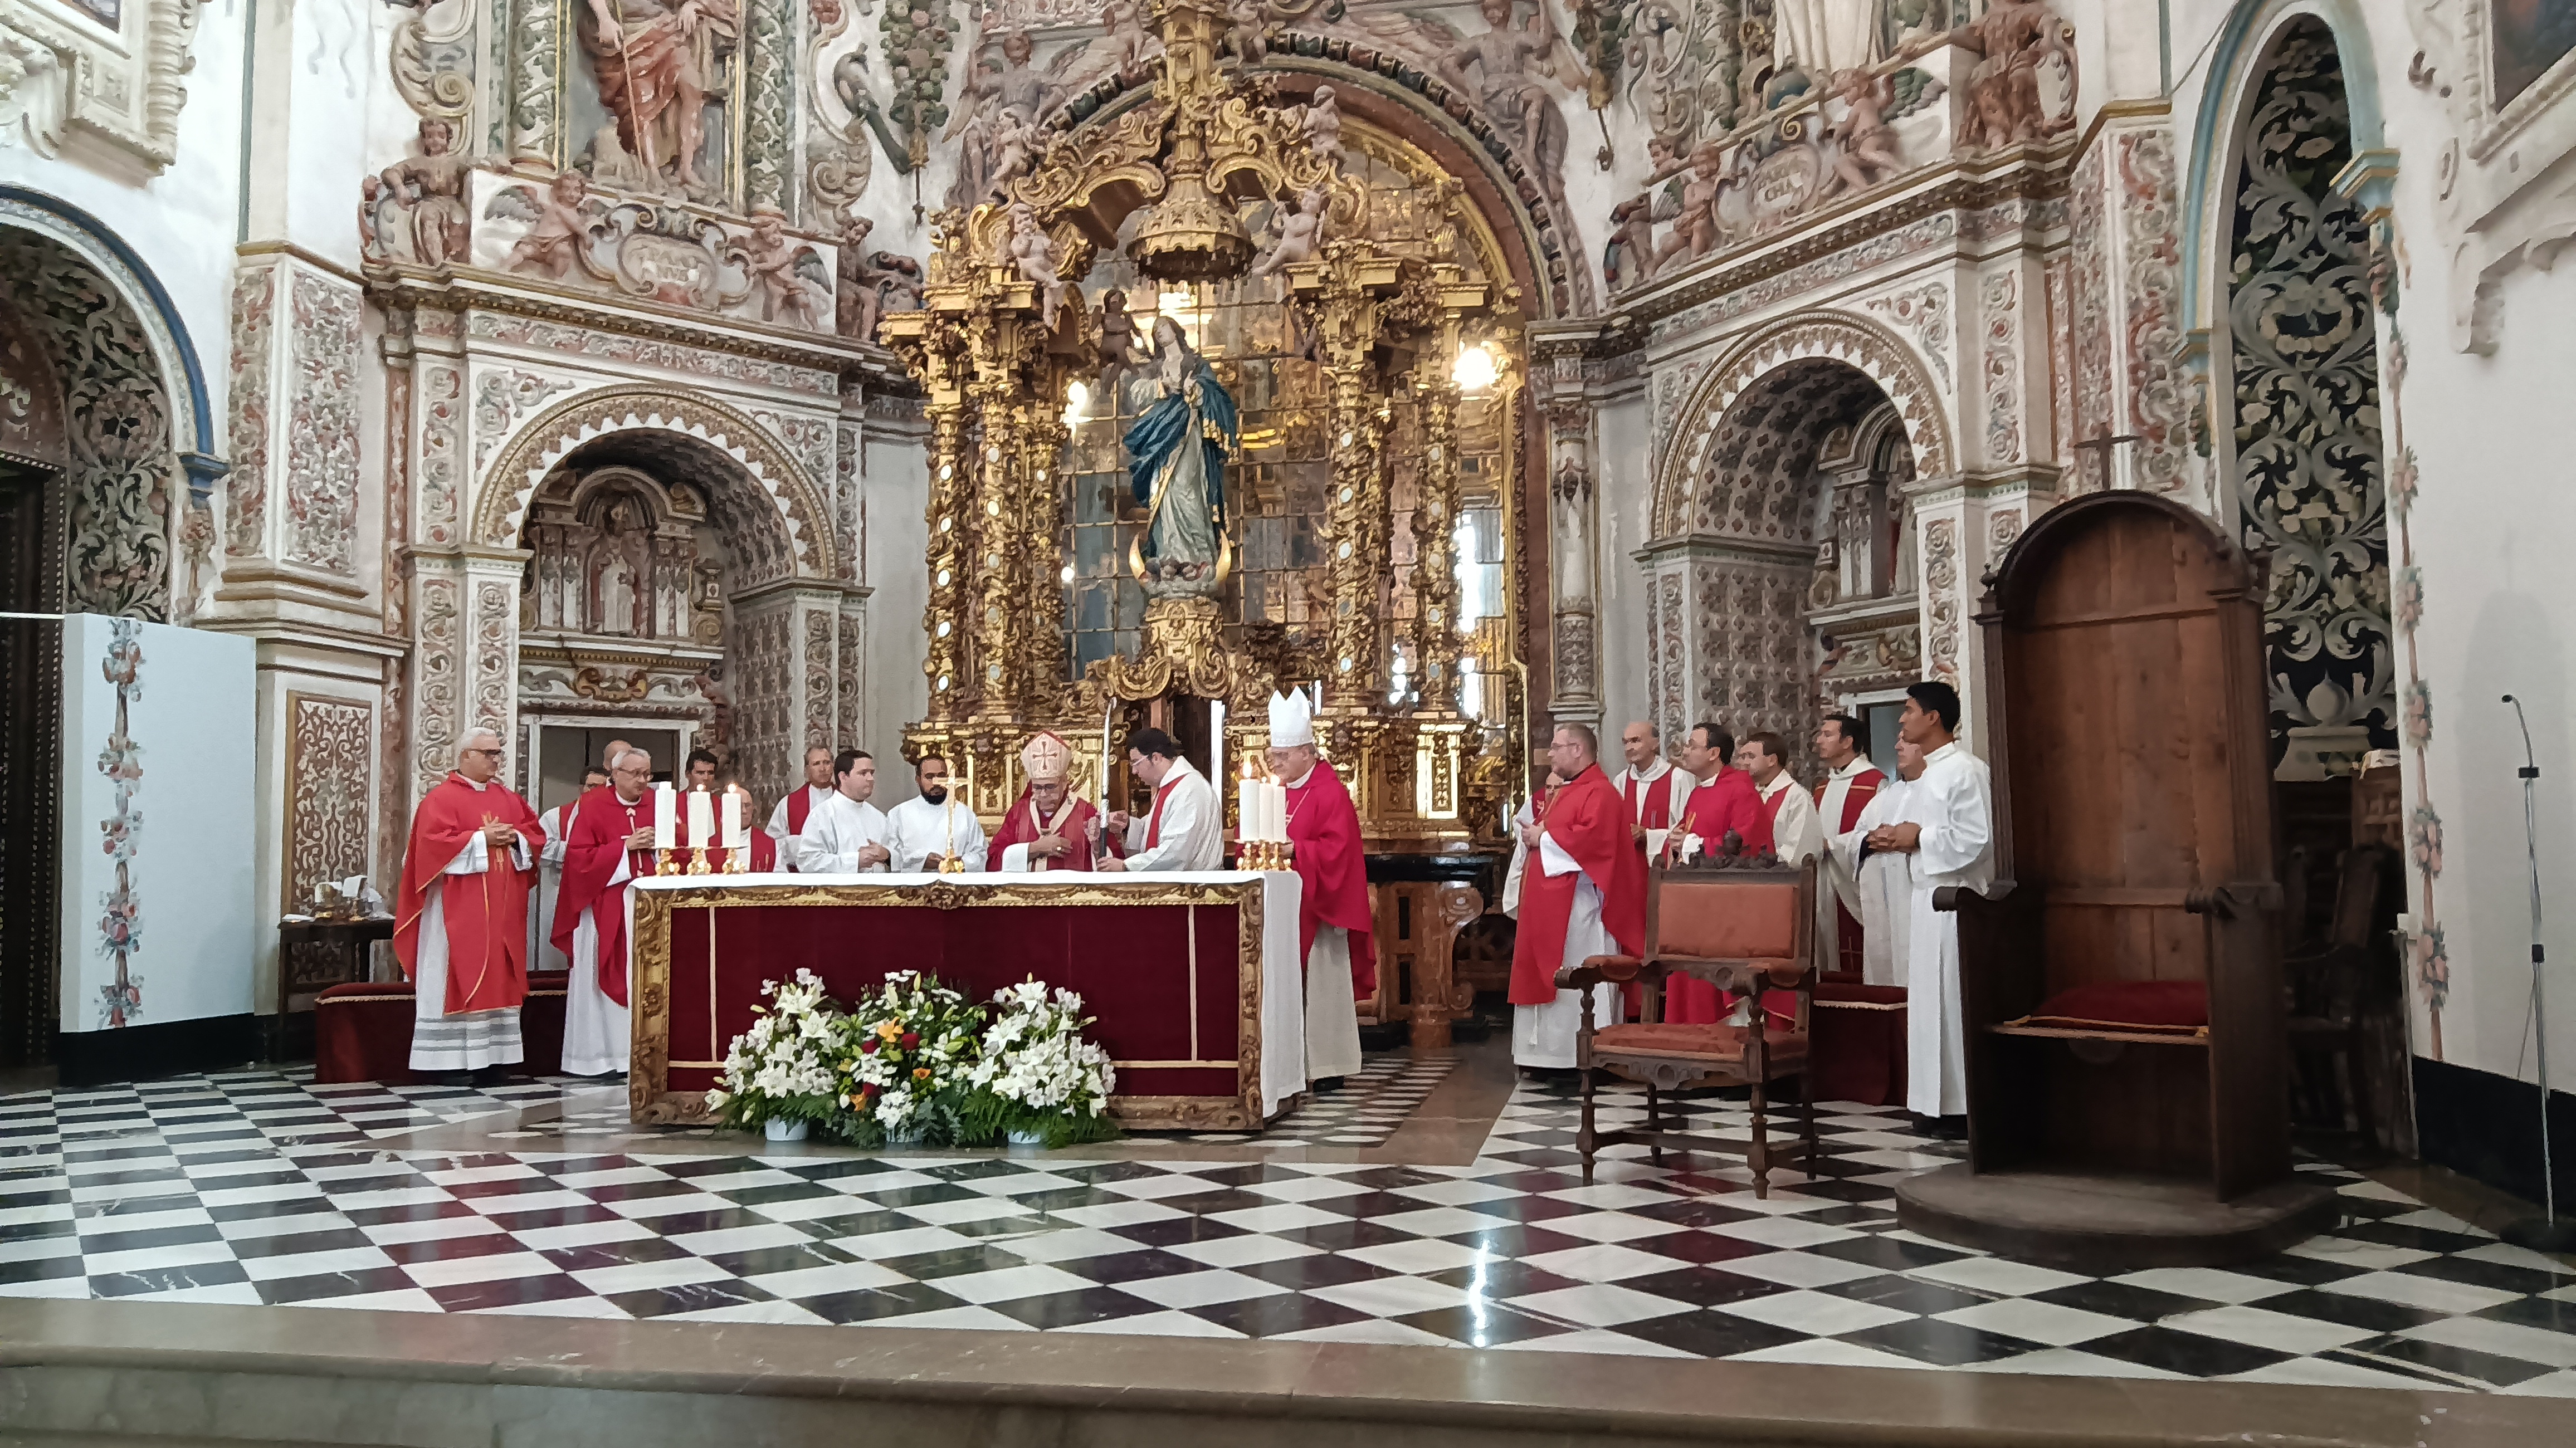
(1193, 976)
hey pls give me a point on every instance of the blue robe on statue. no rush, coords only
(1160, 431)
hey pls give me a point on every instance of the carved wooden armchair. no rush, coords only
(1746, 927)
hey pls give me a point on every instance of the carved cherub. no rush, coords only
(561, 222)
(2013, 40)
(1300, 232)
(1695, 226)
(788, 275)
(1033, 253)
(899, 282)
(1319, 121)
(431, 186)
(1868, 153)
(1247, 24)
(855, 295)
(1117, 339)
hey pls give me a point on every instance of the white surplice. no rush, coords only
(1642, 780)
(1882, 887)
(542, 954)
(1545, 1035)
(1192, 836)
(1520, 860)
(599, 1034)
(468, 1040)
(777, 826)
(834, 834)
(1953, 802)
(917, 829)
(1332, 1008)
(1795, 833)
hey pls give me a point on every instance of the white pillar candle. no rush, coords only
(733, 836)
(1274, 810)
(702, 820)
(666, 817)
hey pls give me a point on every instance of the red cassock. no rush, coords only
(485, 915)
(1727, 802)
(592, 847)
(1588, 820)
(1021, 825)
(1325, 827)
(1847, 935)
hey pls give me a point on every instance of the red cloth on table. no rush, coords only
(1325, 827)
(1590, 821)
(1021, 825)
(592, 849)
(485, 915)
(1728, 801)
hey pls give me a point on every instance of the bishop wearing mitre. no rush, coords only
(610, 845)
(461, 915)
(1333, 917)
(1586, 897)
(1049, 826)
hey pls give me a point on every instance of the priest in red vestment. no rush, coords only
(1333, 916)
(461, 915)
(1721, 801)
(1049, 826)
(610, 845)
(1586, 897)
(1653, 790)
(1851, 782)
(787, 821)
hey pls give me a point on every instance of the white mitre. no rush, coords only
(1292, 720)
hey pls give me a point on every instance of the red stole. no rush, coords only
(486, 915)
(592, 849)
(799, 805)
(1590, 821)
(1650, 805)
(1154, 821)
(1848, 957)
(1021, 825)
(1325, 827)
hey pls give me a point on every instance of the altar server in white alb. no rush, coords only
(933, 827)
(787, 821)
(1882, 880)
(1949, 828)
(846, 835)
(1186, 829)
(542, 954)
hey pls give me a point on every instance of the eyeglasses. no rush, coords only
(495, 753)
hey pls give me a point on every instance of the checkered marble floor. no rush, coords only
(257, 1188)
(1365, 1112)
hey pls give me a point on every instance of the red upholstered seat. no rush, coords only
(2177, 1006)
(362, 1031)
(1722, 919)
(1721, 1044)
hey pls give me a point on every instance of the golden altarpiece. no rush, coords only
(1368, 544)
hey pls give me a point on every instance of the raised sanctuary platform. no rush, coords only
(1193, 976)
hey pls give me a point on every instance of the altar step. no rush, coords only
(131, 1374)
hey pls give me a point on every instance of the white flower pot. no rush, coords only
(1028, 1138)
(778, 1129)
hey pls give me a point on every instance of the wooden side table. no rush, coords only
(313, 956)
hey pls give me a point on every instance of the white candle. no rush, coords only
(702, 820)
(1274, 811)
(666, 817)
(733, 836)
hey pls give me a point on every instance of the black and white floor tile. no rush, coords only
(1364, 1112)
(259, 1189)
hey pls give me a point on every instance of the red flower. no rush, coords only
(868, 1090)
(868, 1047)
(910, 1040)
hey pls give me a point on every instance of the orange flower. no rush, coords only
(921, 1073)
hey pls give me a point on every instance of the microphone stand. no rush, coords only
(2547, 1233)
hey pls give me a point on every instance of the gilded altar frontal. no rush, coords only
(1874, 684)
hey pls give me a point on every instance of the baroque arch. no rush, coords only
(1691, 485)
(780, 518)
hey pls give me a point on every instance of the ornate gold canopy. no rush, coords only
(1004, 333)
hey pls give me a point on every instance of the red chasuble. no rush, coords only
(1847, 934)
(1325, 827)
(592, 847)
(1588, 820)
(485, 915)
(1021, 826)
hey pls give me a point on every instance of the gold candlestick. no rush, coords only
(698, 861)
(662, 863)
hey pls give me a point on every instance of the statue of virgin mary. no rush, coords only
(1176, 452)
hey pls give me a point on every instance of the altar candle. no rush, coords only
(702, 819)
(732, 809)
(666, 817)
(1274, 811)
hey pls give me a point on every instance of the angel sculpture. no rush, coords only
(1301, 232)
(1118, 351)
(1247, 24)
(997, 120)
(430, 188)
(1033, 253)
(561, 222)
(1508, 70)
(790, 277)
(1868, 153)
(1319, 122)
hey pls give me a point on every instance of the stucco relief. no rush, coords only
(321, 522)
(331, 791)
(1941, 589)
(246, 486)
(442, 449)
(438, 661)
(1751, 643)
(2089, 322)
(502, 397)
(1924, 311)
(673, 357)
(2151, 280)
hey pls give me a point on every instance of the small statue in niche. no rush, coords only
(619, 568)
(1117, 340)
(790, 276)
(1033, 254)
(430, 189)
(562, 223)
(1868, 153)
(1301, 232)
(1319, 122)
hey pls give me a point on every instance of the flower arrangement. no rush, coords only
(916, 1062)
(781, 1069)
(1038, 1079)
(904, 1064)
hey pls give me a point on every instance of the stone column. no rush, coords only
(2124, 313)
(944, 618)
(1573, 586)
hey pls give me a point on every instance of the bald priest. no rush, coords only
(461, 916)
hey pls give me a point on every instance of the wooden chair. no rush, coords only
(2330, 991)
(1746, 927)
